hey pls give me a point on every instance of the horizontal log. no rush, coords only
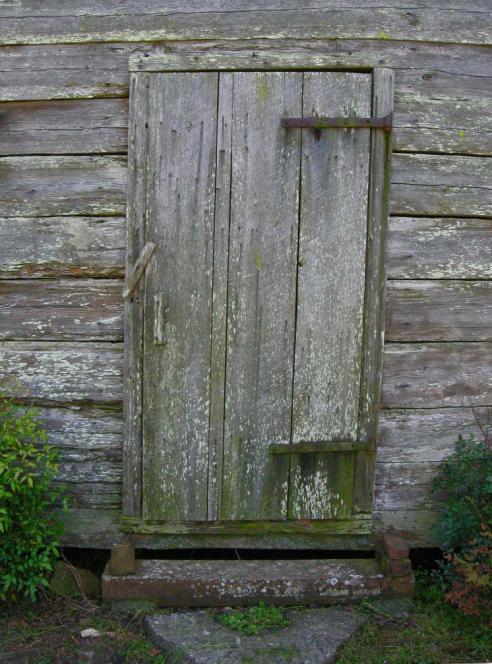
(84, 428)
(238, 20)
(90, 441)
(415, 526)
(66, 71)
(439, 311)
(29, 8)
(81, 310)
(439, 248)
(90, 126)
(402, 492)
(437, 374)
(415, 375)
(94, 496)
(93, 528)
(427, 435)
(62, 247)
(441, 185)
(47, 186)
(82, 126)
(418, 248)
(90, 185)
(92, 310)
(62, 372)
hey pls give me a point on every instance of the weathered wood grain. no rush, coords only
(415, 376)
(403, 487)
(65, 71)
(76, 310)
(62, 372)
(94, 528)
(218, 346)
(62, 247)
(437, 374)
(180, 183)
(439, 248)
(456, 123)
(415, 526)
(90, 442)
(138, 139)
(93, 496)
(330, 295)
(261, 293)
(426, 435)
(439, 311)
(418, 248)
(84, 428)
(374, 298)
(441, 185)
(48, 186)
(96, 185)
(186, 20)
(82, 126)
(92, 310)
(30, 8)
(332, 247)
(58, 71)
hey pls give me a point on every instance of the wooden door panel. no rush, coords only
(181, 167)
(330, 297)
(261, 293)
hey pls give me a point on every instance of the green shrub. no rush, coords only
(464, 525)
(29, 528)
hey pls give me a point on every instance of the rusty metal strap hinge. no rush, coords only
(138, 269)
(385, 123)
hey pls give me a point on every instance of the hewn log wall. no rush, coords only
(63, 141)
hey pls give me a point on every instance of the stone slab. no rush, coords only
(314, 636)
(176, 583)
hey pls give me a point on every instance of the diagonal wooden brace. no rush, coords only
(138, 268)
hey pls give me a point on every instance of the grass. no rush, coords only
(433, 633)
(254, 620)
(49, 632)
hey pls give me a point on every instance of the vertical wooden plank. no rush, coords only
(136, 206)
(219, 308)
(379, 194)
(261, 293)
(180, 218)
(322, 486)
(330, 299)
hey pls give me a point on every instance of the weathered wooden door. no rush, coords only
(254, 334)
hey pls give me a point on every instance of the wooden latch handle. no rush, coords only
(139, 268)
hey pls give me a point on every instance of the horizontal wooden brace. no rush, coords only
(318, 447)
(358, 524)
(385, 122)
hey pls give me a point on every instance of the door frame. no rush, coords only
(157, 60)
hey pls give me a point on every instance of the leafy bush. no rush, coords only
(29, 528)
(464, 525)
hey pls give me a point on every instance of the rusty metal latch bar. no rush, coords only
(385, 123)
(139, 268)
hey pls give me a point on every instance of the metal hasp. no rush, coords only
(385, 123)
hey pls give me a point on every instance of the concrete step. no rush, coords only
(244, 582)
